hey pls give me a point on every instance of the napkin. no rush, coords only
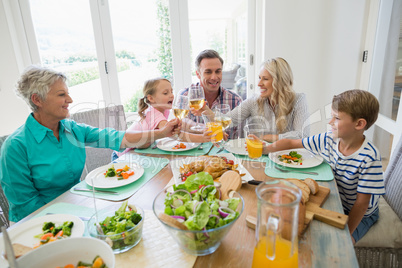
(324, 172)
(151, 165)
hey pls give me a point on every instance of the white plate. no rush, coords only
(100, 181)
(167, 144)
(237, 146)
(25, 232)
(309, 159)
(176, 164)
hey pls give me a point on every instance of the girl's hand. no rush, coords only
(171, 128)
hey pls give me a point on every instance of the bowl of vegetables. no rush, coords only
(194, 214)
(121, 225)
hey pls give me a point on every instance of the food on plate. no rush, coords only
(121, 173)
(51, 232)
(214, 165)
(96, 263)
(121, 226)
(179, 146)
(312, 184)
(305, 190)
(197, 205)
(292, 158)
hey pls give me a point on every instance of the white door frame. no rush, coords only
(380, 12)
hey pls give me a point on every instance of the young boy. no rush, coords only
(355, 161)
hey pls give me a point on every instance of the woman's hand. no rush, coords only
(207, 136)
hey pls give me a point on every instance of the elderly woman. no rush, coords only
(45, 157)
(282, 112)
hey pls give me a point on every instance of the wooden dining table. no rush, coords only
(321, 245)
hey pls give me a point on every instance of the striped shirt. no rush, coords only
(360, 172)
(297, 127)
(224, 97)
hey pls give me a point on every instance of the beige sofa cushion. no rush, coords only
(386, 232)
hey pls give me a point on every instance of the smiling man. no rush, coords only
(209, 71)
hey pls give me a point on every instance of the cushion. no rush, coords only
(386, 232)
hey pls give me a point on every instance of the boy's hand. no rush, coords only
(207, 135)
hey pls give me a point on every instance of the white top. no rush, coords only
(360, 172)
(298, 124)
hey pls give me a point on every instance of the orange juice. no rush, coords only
(282, 255)
(216, 128)
(254, 148)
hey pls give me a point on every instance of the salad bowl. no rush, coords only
(203, 220)
(122, 226)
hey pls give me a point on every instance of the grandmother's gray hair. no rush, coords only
(37, 80)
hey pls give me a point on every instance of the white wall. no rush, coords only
(322, 41)
(13, 110)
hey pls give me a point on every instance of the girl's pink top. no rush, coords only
(152, 119)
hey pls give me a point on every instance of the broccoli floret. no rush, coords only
(136, 218)
(47, 226)
(68, 224)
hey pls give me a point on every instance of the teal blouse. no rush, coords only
(35, 167)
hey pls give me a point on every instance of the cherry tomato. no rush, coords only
(189, 174)
(231, 162)
(202, 185)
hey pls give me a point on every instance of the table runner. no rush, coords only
(324, 172)
(151, 165)
(195, 151)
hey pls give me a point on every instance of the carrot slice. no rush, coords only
(69, 266)
(125, 175)
(59, 234)
(46, 236)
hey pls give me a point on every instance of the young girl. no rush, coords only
(154, 110)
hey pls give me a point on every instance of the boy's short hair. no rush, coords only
(358, 104)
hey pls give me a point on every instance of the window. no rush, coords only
(66, 43)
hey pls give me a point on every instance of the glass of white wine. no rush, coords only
(180, 108)
(221, 111)
(196, 98)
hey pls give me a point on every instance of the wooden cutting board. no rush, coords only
(315, 211)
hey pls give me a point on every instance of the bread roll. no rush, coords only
(303, 187)
(313, 185)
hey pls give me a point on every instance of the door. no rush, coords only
(385, 80)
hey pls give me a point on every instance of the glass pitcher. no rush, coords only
(277, 225)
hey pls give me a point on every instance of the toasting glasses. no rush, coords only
(221, 111)
(196, 98)
(180, 108)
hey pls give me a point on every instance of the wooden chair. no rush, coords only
(4, 206)
(113, 117)
(382, 245)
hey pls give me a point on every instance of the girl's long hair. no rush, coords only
(149, 89)
(283, 94)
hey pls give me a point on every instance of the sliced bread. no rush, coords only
(303, 187)
(313, 185)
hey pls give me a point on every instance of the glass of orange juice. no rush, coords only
(254, 140)
(213, 125)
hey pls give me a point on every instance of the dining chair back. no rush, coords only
(113, 117)
(382, 245)
(4, 206)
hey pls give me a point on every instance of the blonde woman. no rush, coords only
(281, 110)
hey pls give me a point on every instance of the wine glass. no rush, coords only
(180, 108)
(221, 111)
(196, 98)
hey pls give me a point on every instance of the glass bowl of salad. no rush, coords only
(121, 225)
(194, 214)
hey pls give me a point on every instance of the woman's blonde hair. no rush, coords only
(149, 89)
(283, 94)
